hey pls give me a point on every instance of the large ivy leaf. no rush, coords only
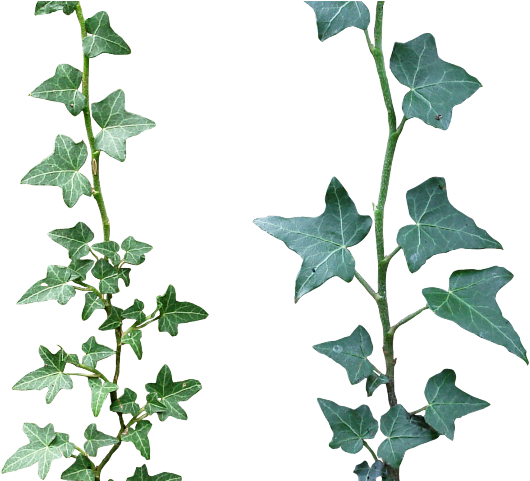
(100, 390)
(108, 249)
(53, 287)
(135, 251)
(470, 302)
(373, 381)
(322, 241)
(108, 276)
(45, 446)
(134, 339)
(117, 124)
(126, 403)
(50, 376)
(92, 303)
(61, 169)
(103, 38)
(403, 432)
(351, 353)
(81, 470)
(75, 239)
(173, 312)
(95, 352)
(448, 403)
(141, 474)
(139, 437)
(334, 17)
(350, 426)
(81, 267)
(435, 86)
(365, 472)
(96, 439)
(43, 8)
(438, 227)
(63, 87)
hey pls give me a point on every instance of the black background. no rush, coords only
(254, 116)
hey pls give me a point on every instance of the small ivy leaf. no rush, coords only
(92, 302)
(470, 302)
(61, 169)
(448, 403)
(95, 352)
(108, 249)
(103, 38)
(322, 241)
(81, 267)
(154, 405)
(373, 381)
(438, 227)
(117, 125)
(135, 251)
(43, 8)
(114, 319)
(134, 339)
(351, 353)
(136, 312)
(96, 439)
(53, 287)
(125, 275)
(100, 390)
(72, 359)
(81, 470)
(141, 474)
(63, 88)
(75, 239)
(403, 432)
(334, 17)
(139, 438)
(435, 86)
(108, 276)
(350, 426)
(126, 403)
(365, 472)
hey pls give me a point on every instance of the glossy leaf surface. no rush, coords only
(403, 432)
(117, 125)
(92, 303)
(114, 319)
(108, 276)
(135, 251)
(95, 352)
(322, 241)
(126, 403)
(61, 169)
(53, 287)
(448, 403)
(100, 390)
(134, 339)
(436, 87)
(102, 38)
(350, 426)
(81, 267)
(138, 436)
(109, 249)
(470, 303)
(136, 312)
(438, 227)
(334, 17)
(75, 239)
(96, 439)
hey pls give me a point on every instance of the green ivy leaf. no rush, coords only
(81, 267)
(373, 381)
(173, 312)
(117, 125)
(126, 403)
(350, 426)
(403, 432)
(154, 405)
(470, 302)
(45, 446)
(435, 86)
(95, 352)
(108, 276)
(92, 302)
(109, 249)
(322, 241)
(334, 17)
(448, 403)
(43, 8)
(75, 239)
(100, 390)
(171, 393)
(135, 251)
(103, 38)
(134, 339)
(365, 472)
(438, 227)
(136, 312)
(114, 319)
(141, 474)
(61, 169)
(139, 437)
(351, 353)
(50, 376)
(53, 287)
(96, 439)
(63, 88)
(81, 470)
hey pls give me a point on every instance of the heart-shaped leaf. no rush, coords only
(334, 17)
(103, 38)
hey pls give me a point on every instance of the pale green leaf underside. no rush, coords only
(103, 38)
(43, 8)
(134, 339)
(322, 241)
(63, 87)
(334, 17)
(53, 287)
(470, 302)
(141, 474)
(100, 390)
(139, 438)
(350, 426)
(365, 472)
(436, 86)
(96, 439)
(117, 125)
(92, 303)
(448, 403)
(61, 169)
(81, 470)
(438, 227)
(403, 432)
(74, 239)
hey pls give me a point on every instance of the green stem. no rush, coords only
(419, 410)
(366, 286)
(94, 371)
(365, 444)
(407, 319)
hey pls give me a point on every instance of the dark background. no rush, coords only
(255, 116)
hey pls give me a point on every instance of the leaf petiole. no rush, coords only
(365, 444)
(367, 286)
(407, 319)
(413, 413)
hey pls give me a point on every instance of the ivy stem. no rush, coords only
(365, 444)
(407, 319)
(419, 410)
(367, 286)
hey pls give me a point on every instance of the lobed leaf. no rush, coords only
(92, 303)
(126, 403)
(108, 276)
(141, 474)
(53, 287)
(95, 352)
(81, 470)
(135, 251)
(136, 312)
(75, 239)
(139, 437)
(114, 319)
(100, 390)
(153, 405)
(334, 17)
(365, 472)
(81, 267)
(103, 38)
(108, 249)
(96, 439)
(43, 8)
(373, 381)
(134, 339)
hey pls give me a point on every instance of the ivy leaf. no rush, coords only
(403, 432)
(470, 302)
(114, 319)
(63, 87)
(365, 472)
(103, 38)
(109, 249)
(438, 227)
(75, 239)
(136, 312)
(117, 125)
(53, 287)
(126, 403)
(61, 169)
(134, 339)
(45, 446)
(322, 241)
(435, 86)
(81, 470)
(108, 276)
(81, 267)
(351, 353)
(139, 437)
(96, 439)
(171, 393)
(154, 405)
(135, 251)
(95, 352)
(100, 390)
(43, 8)
(448, 403)
(173, 312)
(373, 381)
(92, 302)
(141, 474)
(350, 426)
(50, 376)
(334, 17)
